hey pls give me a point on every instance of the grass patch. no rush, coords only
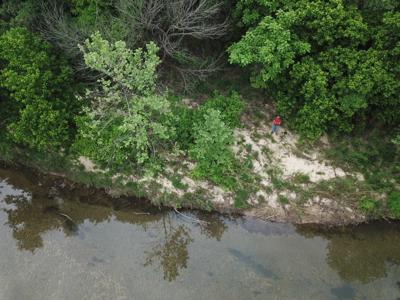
(369, 206)
(241, 199)
(394, 203)
(267, 153)
(283, 200)
(300, 178)
(376, 158)
(176, 181)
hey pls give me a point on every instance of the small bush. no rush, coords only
(241, 199)
(379, 180)
(301, 178)
(368, 205)
(215, 160)
(394, 203)
(184, 118)
(177, 183)
(230, 107)
(181, 120)
(283, 199)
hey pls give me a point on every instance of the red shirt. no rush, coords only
(277, 121)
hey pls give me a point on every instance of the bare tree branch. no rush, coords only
(179, 27)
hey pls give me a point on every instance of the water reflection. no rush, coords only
(43, 208)
(28, 223)
(212, 225)
(361, 254)
(171, 249)
(35, 205)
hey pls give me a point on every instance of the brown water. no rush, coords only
(60, 242)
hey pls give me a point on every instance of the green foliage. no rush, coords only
(183, 118)
(18, 13)
(396, 140)
(326, 66)
(125, 125)
(241, 199)
(6, 148)
(230, 107)
(300, 178)
(376, 158)
(215, 160)
(90, 13)
(369, 206)
(394, 203)
(177, 183)
(39, 105)
(283, 200)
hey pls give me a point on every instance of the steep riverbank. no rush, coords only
(289, 185)
(280, 178)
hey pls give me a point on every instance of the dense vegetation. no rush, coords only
(329, 64)
(100, 78)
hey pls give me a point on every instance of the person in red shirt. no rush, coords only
(276, 125)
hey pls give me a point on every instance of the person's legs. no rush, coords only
(273, 129)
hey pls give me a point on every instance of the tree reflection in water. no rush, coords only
(213, 225)
(171, 249)
(43, 206)
(361, 253)
(28, 222)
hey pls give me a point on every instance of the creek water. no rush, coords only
(58, 241)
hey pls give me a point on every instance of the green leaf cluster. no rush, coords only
(38, 105)
(184, 118)
(230, 107)
(369, 206)
(90, 13)
(211, 149)
(394, 203)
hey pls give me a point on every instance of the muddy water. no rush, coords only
(62, 242)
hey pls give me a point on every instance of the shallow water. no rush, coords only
(63, 242)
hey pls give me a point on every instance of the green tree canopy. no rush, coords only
(126, 121)
(38, 106)
(326, 63)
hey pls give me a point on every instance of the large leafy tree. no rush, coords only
(38, 106)
(328, 63)
(125, 124)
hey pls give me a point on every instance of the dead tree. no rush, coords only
(180, 28)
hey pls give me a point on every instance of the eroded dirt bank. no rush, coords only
(289, 182)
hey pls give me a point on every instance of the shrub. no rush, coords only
(215, 160)
(394, 203)
(283, 200)
(230, 107)
(301, 178)
(241, 199)
(181, 120)
(328, 64)
(368, 205)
